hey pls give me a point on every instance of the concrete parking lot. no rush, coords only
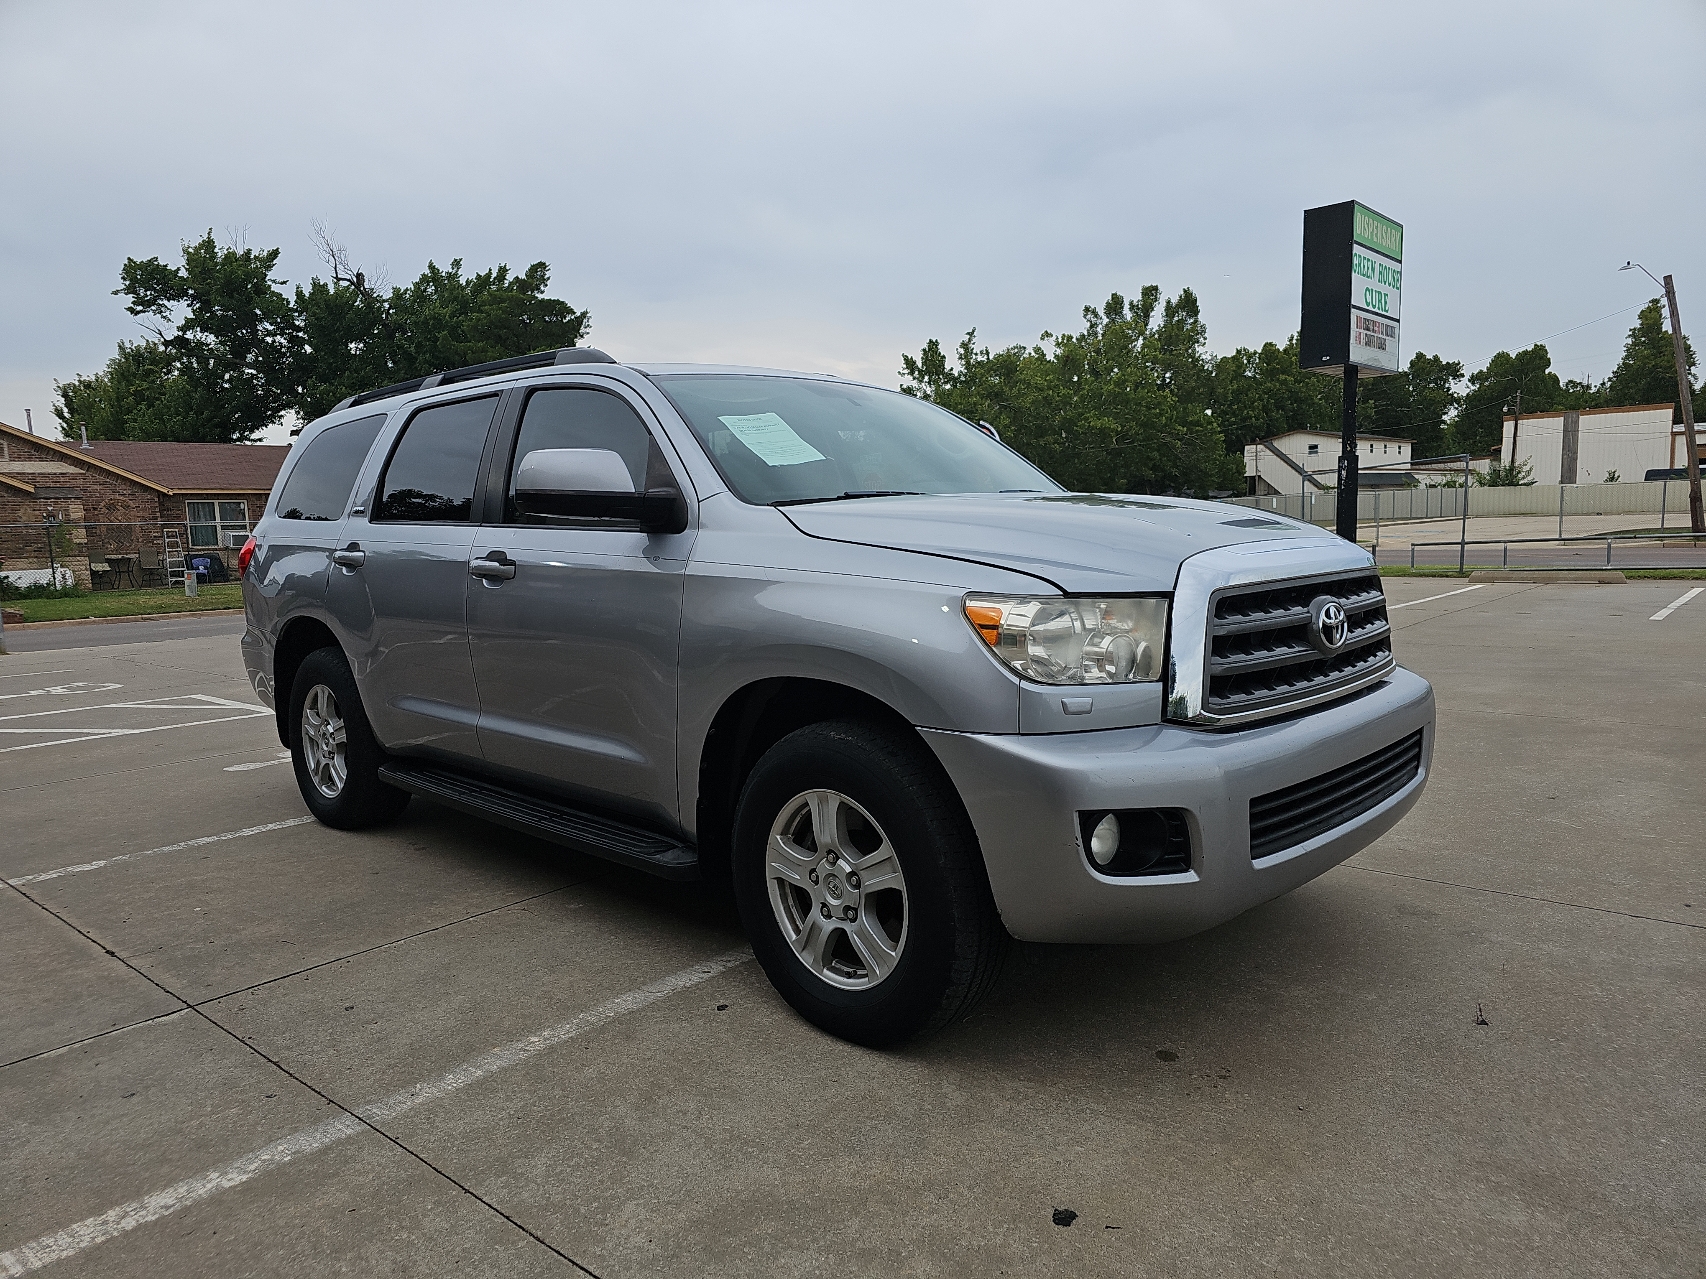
(235, 1042)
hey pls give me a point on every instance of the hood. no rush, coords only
(1078, 542)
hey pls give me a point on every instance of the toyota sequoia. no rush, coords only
(832, 646)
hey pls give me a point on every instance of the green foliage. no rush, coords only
(137, 385)
(1415, 404)
(227, 332)
(1258, 394)
(231, 353)
(1647, 372)
(1497, 476)
(353, 339)
(1479, 426)
(1121, 407)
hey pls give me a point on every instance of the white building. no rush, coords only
(1583, 446)
(1308, 461)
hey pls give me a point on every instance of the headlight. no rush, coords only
(1074, 641)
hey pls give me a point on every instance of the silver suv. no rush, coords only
(832, 646)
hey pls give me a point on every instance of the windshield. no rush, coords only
(785, 439)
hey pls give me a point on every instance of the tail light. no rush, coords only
(244, 556)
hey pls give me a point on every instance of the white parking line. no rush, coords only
(199, 701)
(149, 852)
(87, 1233)
(1431, 598)
(61, 670)
(1675, 604)
(283, 758)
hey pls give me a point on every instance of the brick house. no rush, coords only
(119, 498)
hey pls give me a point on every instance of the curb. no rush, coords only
(1604, 577)
(131, 617)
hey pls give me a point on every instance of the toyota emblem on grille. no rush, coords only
(1328, 626)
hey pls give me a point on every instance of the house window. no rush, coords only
(214, 524)
(1314, 449)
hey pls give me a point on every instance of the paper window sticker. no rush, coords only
(772, 439)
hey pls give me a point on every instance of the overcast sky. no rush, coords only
(825, 186)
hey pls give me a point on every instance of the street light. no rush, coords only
(1696, 513)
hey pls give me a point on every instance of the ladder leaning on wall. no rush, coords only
(174, 560)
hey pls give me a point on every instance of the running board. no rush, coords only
(548, 819)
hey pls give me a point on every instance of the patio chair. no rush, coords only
(99, 569)
(153, 571)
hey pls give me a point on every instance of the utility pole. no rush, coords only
(1516, 424)
(1696, 515)
(1347, 512)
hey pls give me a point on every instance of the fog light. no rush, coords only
(1136, 841)
(1105, 840)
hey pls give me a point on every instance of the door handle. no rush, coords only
(350, 557)
(495, 565)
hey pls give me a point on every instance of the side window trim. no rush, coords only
(372, 500)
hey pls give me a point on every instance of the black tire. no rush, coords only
(950, 939)
(360, 800)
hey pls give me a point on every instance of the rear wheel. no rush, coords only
(861, 884)
(332, 747)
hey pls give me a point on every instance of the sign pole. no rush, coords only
(1347, 521)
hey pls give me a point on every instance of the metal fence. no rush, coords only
(107, 555)
(1599, 550)
(1666, 499)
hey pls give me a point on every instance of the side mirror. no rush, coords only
(593, 484)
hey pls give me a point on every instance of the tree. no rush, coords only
(136, 386)
(231, 353)
(1122, 406)
(228, 332)
(1647, 372)
(1258, 394)
(1478, 428)
(1415, 404)
(353, 337)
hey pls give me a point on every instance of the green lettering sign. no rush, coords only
(1381, 234)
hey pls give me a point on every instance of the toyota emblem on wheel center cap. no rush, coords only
(1328, 625)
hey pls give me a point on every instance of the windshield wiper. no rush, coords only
(843, 497)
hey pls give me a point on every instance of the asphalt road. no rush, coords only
(39, 639)
(235, 1042)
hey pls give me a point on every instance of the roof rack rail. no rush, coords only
(538, 360)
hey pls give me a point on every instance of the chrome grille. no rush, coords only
(1261, 660)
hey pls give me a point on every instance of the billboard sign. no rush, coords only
(1353, 276)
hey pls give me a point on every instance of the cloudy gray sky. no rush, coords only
(825, 186)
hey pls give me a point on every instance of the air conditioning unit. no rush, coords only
(234, 541)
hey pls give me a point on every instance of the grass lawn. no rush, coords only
(128, 603)
(1442, 570)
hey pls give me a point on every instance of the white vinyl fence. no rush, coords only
(1667, 499)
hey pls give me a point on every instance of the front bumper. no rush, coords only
(1023, 794)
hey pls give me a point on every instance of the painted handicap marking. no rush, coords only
(73, 689)
(61, 733)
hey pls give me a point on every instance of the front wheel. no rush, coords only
(332, 747)
(861, 884)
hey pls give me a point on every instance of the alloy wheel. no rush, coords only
(837, 890)
(324, 740)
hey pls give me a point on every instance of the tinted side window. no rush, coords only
(582, 418)
(432, 472)
(320, 482)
